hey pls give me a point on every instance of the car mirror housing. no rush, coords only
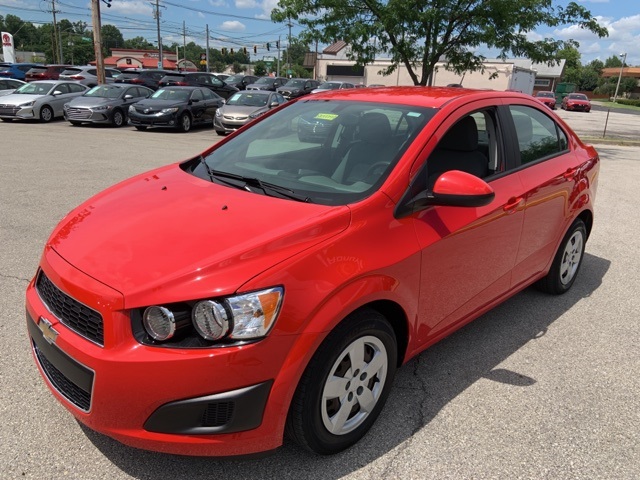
(453, 188)
(128, 97)
(56, 93)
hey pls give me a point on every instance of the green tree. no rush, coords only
(138, 43)
(260, 68)
(111, 38)
(607, 85)
(417, 33)
(613, 62)
(237, 67)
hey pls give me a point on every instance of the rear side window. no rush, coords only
(538, 135)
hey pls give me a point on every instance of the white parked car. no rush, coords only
(41, 100)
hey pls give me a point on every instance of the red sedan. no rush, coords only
(576, 102)
(277, 281)
(548, 98)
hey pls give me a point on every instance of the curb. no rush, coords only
(610, 141)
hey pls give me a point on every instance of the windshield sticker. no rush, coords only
(414, 114)
(326, 116)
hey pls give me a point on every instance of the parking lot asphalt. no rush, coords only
(542, 387)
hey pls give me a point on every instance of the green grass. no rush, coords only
(607, 104)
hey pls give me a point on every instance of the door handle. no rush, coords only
(512, 204)
(570, 174)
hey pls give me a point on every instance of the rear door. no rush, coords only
(549, 172)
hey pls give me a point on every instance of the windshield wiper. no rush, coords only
(247, 182)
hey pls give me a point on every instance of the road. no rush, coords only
(540, 388)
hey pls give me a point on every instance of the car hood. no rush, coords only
(4, 93)
(288, 89)
(168, 236)
(238, 110)
(151, 103)
(89, 102)
(19, 98)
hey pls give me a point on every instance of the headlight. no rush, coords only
(28, 104)
(162, 324)
(218, 113)
(169, 110)
(132, 108)
(257, 114)
(239, 318)
(101, 108)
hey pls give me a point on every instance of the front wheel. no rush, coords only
(346, 384)
(118, 119)
(185, 123)
(46, 114)
(567, 261)
(142, 128)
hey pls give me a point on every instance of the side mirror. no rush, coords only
(56, 93)
(128, 97)
(194, 100)
(273, 104)
(453, 188)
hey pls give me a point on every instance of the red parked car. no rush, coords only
(276, 282)
(576, 101)
(548, 98)
(45, 72)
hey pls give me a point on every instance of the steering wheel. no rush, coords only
(377, 169)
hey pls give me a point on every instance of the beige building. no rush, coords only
(518, 74)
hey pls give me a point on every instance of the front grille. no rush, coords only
(218, 414)
(78, 317)
(238, 117)
(8, 110)
(146, 110)
(79, 113)
(62, 384)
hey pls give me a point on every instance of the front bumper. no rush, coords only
(217, 402)
(87, 115)
(228, 124)
(169, 120)
(22, 113)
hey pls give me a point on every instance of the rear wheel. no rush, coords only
(184, 123)
(567, 261)
(46, 114)
(346, 384)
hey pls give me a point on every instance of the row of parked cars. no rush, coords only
(148, 98)
(571, 102)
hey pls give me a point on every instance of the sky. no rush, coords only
(238, 23)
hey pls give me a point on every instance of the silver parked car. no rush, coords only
(9, 85)
(326, 86)
(88, 75)
(40, 100)
(105, 104)
(244, 106)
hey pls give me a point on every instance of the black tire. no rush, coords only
(75, 124)
(142, 128)
(46, 114)
(184, 123)
(325, 424)
(567, 261)
(222, 134)
(118, 119)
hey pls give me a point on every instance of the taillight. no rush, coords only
(182, 84)
(136, 80)
(76, 77)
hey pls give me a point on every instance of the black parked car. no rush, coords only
(147, 78)
(176, 107)
(105, 104)
(241, 81)
(297, 87)
(267, 83)
(198, 79)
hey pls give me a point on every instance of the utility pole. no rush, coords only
(278, 74)
(97, 39)
(207, 30)
(57, 39)
(289, 48)
(184, 44)
(157, 15)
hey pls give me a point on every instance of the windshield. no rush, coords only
(577, 96)
(329, 86)
(71, 71)
(246, 99)
(35, 88)
(295, 83)
(169, 94)
(234, 78)
(104, 91)
(329, 152)
(546, 94)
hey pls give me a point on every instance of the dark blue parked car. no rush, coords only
(16, 70)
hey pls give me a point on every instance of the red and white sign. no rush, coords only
(7, 48)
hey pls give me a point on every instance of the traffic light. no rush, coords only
(268, 47)
(278, 44)
(244, 50)
(231, 51)
(255, 49)
(224, 51)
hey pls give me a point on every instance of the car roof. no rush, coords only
(434, 97)
(175, 87)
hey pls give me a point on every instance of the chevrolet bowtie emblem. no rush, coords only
(48, 332)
